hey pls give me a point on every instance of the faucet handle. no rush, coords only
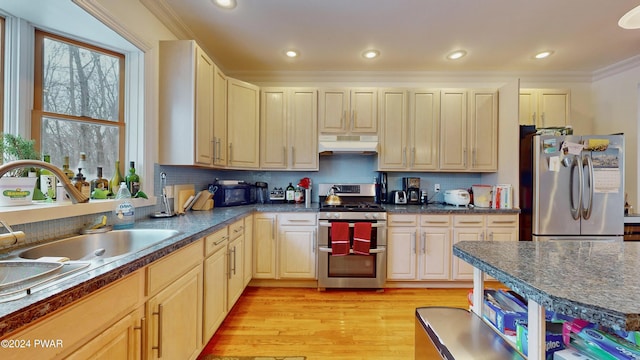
(10, 238)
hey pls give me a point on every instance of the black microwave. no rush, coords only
(233, 195)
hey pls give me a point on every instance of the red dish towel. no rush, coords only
(339, 239)
(362, 238)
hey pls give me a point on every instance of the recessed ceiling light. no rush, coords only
(630, 20)
(291, 53)
(371, 54)
(456, 55)
(543, 54)
(225, 4)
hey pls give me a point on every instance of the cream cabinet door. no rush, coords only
(461, 269)
(243, 125)
(424, 129)
(174, 317)
(364, 111)
(248, 249)
(502, 227)
(120, 341)
(401, 253)
(297, 252)
(528, 107)
(453, 128)
(483, 134)
(265, 245)
(393, 130)
(235, 268)
(215, 286)
(219, 118)
(303, 129)
(273, 129)
(333, 110)
(204, 108)
(554, 107)
(435, 253)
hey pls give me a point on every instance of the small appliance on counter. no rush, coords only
(398, 197)
(411, 187)
(232, 193)
(262, 192)
(277, 195)
(457, 197)
(482, 195)
(382, 194)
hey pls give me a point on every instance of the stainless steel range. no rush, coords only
(353, 270)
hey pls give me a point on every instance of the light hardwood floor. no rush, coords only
(335, 324)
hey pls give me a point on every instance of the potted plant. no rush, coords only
(16, 188)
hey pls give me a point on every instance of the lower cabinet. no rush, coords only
(214, 305)
(285, 246)
(235, 263)
(420, 246)
(174, 309)
(248, 249)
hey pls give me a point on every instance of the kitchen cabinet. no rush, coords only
(264, 245)
(409, 140)
(243, 125)
(219, 118)
(348, 111)
(545, 107)
(79, 328)
(248, 250)
(174, 309)
(186, 90)
(297, 246)
(285, 246)
(235, 261)
(214, 304)
(288, 129)
(469, 123)
(419, 247)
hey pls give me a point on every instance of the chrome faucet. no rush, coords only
(75, 194)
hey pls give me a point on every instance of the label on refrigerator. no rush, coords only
(606, 171)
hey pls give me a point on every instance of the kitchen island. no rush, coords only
(591, 280)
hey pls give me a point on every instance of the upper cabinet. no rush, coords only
(243, 125)
(219, 118)
(348, 111)
(448, 130)
(288, 129)
(185, 104)
(545, 107)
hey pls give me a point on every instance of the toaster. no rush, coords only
(398, 197)
(457, 197)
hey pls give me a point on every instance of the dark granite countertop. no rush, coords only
(192, 226)
(591, 280)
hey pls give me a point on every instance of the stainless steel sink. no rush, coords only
(101, 245)
(14, 272)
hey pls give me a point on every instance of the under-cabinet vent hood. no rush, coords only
(352, 144)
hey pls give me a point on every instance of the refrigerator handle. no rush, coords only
(575, 207)
(586, 208)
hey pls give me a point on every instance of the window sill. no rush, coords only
(51, 211)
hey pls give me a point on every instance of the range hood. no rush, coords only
(350, 144)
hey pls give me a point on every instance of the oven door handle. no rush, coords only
(372, 251)
(373, 225)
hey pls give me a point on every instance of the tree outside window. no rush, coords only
(78, 103)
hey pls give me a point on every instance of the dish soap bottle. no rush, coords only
(124, 211)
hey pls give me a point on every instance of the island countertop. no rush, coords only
(591, 280)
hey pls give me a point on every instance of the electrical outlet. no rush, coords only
(436, 187)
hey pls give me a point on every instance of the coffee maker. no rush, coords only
(411, 186)
(381, 189)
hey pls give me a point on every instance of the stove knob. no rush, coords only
(336, 216)
(376, 215)
(367, 216)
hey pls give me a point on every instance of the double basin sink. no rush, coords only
(43, 263)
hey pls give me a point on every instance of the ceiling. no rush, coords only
(411, 35)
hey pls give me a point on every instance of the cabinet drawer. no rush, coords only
(468, 221)
(297, 219)
(402, 220)
(215, 241)
(502, 220)
(166, 270)
(435, 220)
(81, 321)
(236, 229)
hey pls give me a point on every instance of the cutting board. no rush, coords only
(181, 194)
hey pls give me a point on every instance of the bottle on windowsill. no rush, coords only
(132, 179)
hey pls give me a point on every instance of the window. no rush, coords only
(78, 103)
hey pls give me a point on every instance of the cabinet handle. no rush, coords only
(315, 239)
(402, 221)
(273, 230)
(142, 337)
(239, 229)
(404, 157)
(293, 155)
(542, 117)
(491, 236)
(354, 117)
(223, 239)
(414, 242)
(469, 222)
(213, 150)
(436, 222)
(533, 117)
(413, 156)
(474, 157)
(464, 156)
(482, 235)
(234, 260)
(284, 155)
(503, 222)
(425, 249)
(159, 347)
(230, 152)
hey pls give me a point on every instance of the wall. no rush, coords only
(616, 109)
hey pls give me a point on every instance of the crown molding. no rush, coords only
(99, 12)
(617, 68)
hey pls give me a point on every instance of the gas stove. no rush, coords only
(357, 202)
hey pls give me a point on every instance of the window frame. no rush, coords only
(38, 113)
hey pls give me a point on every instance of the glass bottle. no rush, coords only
(116, 179)
(133, 180)
(47, 180)
(81, 183)
(99, 182)
(66, 170)
(290, 194)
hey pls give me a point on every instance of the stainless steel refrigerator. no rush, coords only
(578, 187)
